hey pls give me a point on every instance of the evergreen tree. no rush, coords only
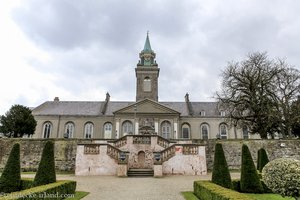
(220, 174)
(46, 171)
(10, 180)
(258, 159)
(263, 159)
(250, 182)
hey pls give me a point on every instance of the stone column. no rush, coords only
(136, 131)
(122, 170)
(156, 127)
(117, 134)
(175, 130)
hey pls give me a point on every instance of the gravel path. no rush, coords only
(115, 188)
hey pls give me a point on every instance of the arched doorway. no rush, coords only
(141, 159)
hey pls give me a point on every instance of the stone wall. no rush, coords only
(65, 151)
(233, 150)
(31, 151)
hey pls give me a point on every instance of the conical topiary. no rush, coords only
(10, 180)
(220, 174)
(258, 159)
(263, 159)
(250, 182)
(46, 171)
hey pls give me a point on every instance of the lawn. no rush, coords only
(268, 197)
(191, 196)
(78, 195)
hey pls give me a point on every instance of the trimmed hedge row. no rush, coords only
(26, 183)
(206, 190)
(57, 190)
(236, 184)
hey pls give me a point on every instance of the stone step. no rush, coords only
(140, 173)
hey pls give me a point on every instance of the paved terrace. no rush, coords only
(115, 188)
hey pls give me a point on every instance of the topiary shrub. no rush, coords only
(10, 180)
(262, 159)
(46, 170)
(250, 182)
(282, 176)
(220, 173)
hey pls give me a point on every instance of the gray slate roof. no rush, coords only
(93, 108)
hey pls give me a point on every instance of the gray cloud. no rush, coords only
(95, 44)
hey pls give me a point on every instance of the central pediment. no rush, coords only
(146, 106)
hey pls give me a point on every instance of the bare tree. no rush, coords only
(258, 93)
(287, 90)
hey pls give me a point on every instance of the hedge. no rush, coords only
(57, 190)
(250, 182)
(10, 179)
(236, 184)
(220, 173)
(206, 190)
(46, 171)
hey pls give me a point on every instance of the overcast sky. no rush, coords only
(79, 50)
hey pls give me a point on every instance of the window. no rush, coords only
(147, 84)
(245, 132)
(223, 131)
(185, 131)
(107, 130)
(204, 131)
(202, 113)
(47, 128)
(166, 129)
(222, 113)
(127, 128)
(69, 130)
(88, 130)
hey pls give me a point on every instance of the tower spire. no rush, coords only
(147, 46)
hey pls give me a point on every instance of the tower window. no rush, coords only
(147, 84)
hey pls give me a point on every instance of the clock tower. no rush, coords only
(147, 73)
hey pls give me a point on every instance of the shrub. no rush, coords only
(46, 170)
(250, 182)
(262, 159)
(206, 190)
(220, 173)
(282, 176)
(10, 179)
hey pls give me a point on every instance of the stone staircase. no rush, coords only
(140, 172)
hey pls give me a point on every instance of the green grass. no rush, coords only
(268, 197)
(78, 195)
(189, 196)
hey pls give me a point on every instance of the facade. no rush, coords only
(147, 115)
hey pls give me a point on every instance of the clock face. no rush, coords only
(147, 58)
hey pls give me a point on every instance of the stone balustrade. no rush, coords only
(190, 149)
(121, 142)
(91, 149)
(141, 139)
(167, 153)
(117, 154)
(162, 142)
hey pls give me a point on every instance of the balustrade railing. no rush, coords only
(121, 142)
(91, 149)
(190, 149)
(162, 142)
(167, 153)
(117, 154)
(140, 139)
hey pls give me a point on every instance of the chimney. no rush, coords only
(56, 99)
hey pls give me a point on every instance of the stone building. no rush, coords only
(147, 115)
